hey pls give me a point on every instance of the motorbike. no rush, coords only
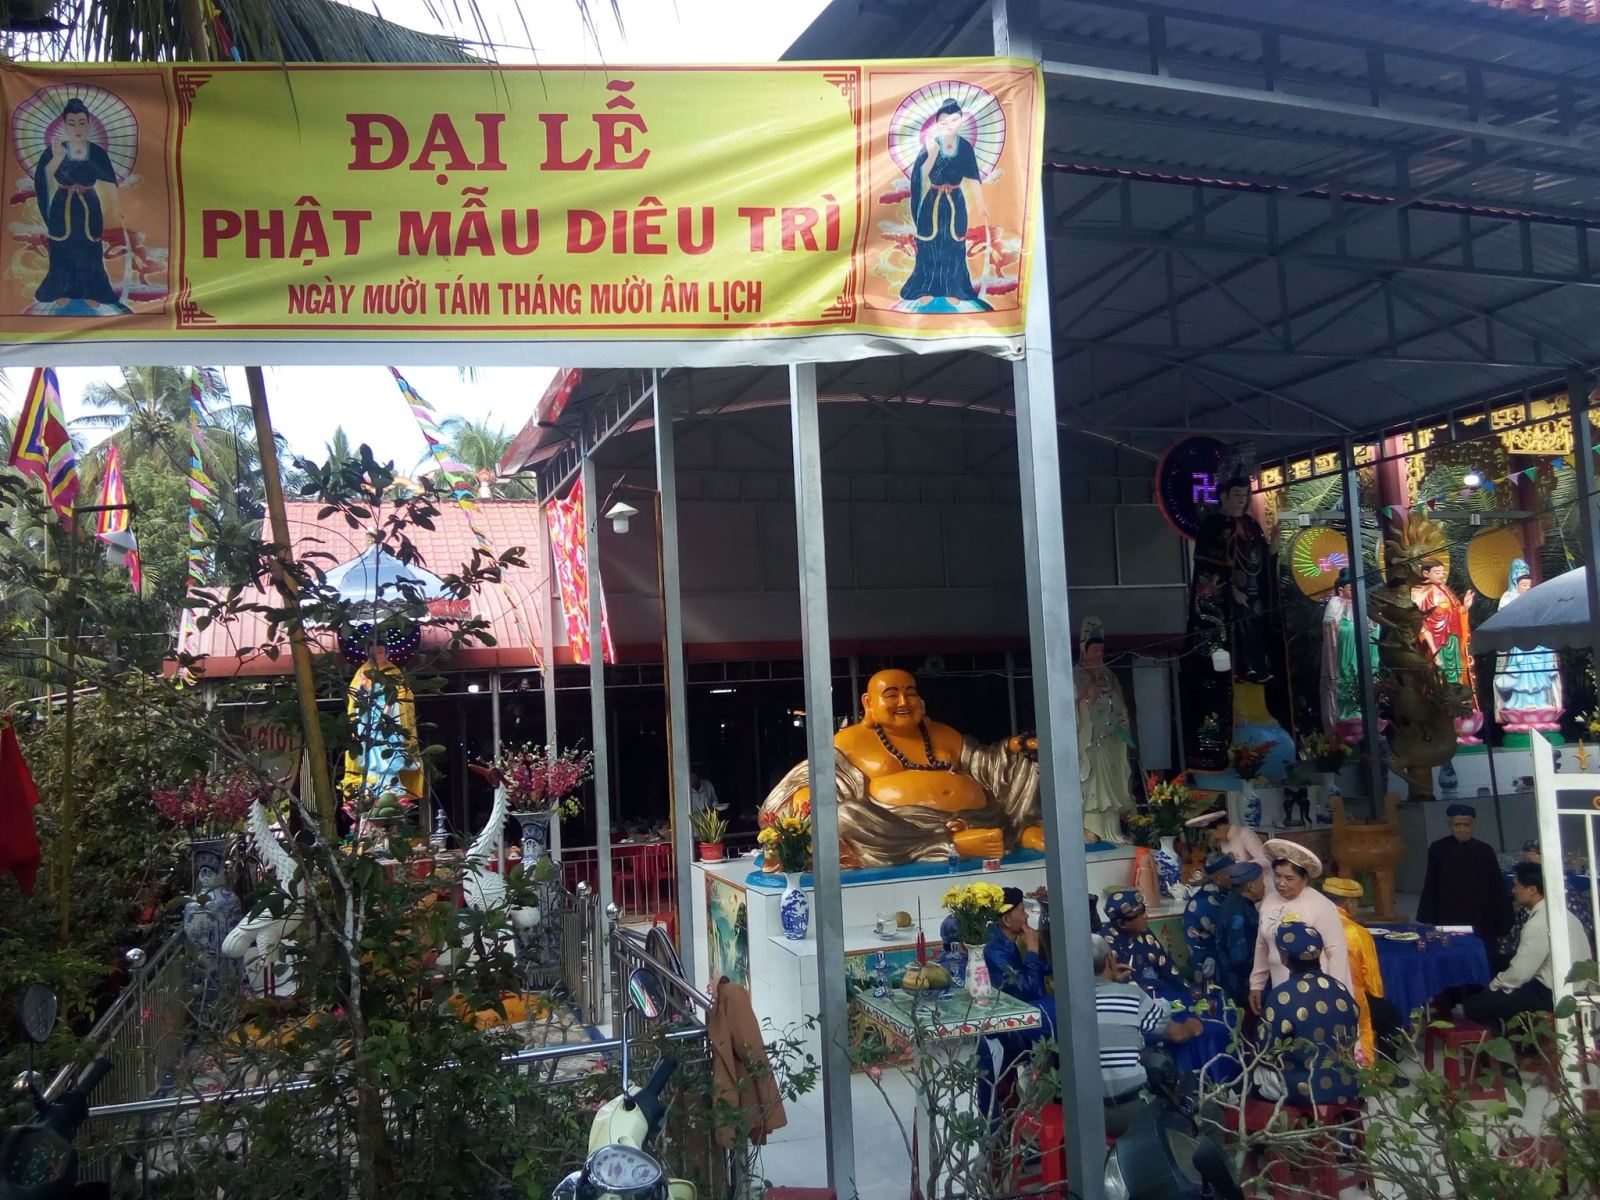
(619, 1164)
(38, 1161)
(1163, 1155)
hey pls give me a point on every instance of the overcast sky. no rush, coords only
(308, 403)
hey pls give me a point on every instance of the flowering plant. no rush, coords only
(539, 781)
(1248, 759)
(1323, 752)
(974, 905)
(210, 802)
(787, 838)
(1171, 803)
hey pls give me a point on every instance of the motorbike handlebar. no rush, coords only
(67, 1113)
(658, 1079)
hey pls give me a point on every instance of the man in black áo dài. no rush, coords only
(1463, 884)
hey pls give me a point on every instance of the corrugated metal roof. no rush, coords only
(233, 648)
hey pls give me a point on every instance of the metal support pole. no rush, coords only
(465, 815)
(827, 903)
(597, 697)
(299, 650)
(1583, 444)
(1372, 756)
(672, 661)
(1016, 25)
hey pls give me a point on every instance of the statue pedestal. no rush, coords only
(782, 974)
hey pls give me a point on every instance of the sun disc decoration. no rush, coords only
(1489, 556)
(1316, 557)
(983, 123)
(38, 123)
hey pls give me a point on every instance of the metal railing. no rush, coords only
(144, 1030)
(144, 1128)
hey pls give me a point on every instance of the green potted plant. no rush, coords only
(709, 830)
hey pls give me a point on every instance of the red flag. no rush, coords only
(114, 522)
(19, 840)
(41, 446)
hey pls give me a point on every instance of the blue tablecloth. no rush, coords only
(1414, 974)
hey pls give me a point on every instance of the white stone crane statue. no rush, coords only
(259, 941)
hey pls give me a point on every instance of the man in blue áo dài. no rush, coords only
(1309, 1022)
(1236, 929)
(1140, 950)
(1202, 917)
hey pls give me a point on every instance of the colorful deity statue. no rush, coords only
(1103, 738)
(1527, 683)
(384, 772)
(910, 789)
(1341, 675)
(1446, 636)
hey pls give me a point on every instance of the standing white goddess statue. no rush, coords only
(1103, 738)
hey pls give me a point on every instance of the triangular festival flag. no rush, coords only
(41, 446)
(114, 522)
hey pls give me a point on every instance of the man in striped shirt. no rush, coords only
(1130, 1019)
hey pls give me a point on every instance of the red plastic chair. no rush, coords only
(1336, 1158)
(1463, 1062)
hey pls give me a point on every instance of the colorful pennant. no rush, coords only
(114, 522)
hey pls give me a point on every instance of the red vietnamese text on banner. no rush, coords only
(114, 522)
(41, 446)
(569, 548)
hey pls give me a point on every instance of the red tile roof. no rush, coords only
(233, 648)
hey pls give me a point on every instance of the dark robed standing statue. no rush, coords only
(1463, 884)
(1231, 612)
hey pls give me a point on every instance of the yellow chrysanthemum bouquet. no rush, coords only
(974, 905)
(786, 839)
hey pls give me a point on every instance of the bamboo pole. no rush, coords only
(67, 835)
(305, 686)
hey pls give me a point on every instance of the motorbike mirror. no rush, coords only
(646, 995)
(38, 1013)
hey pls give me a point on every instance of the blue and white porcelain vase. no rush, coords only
(1167, 865)
(1252, 809)
(794, 910)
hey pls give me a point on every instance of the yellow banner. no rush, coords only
(563, 216)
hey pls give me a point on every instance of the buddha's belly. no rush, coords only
(946, 791)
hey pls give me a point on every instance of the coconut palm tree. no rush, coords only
(481, 446)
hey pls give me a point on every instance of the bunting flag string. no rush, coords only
(463, 483)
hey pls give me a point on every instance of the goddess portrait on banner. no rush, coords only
(78, 143)
(944, 254)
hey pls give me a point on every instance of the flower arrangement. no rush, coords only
(538, 781)
(1247, 759)
(209, 802)
(1323, 752)
(787, 838)
(1171, 803)
(974, 905)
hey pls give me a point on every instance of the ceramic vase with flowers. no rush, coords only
(542, 786)
(975, 906)
(1170, 803)
(786, 842)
